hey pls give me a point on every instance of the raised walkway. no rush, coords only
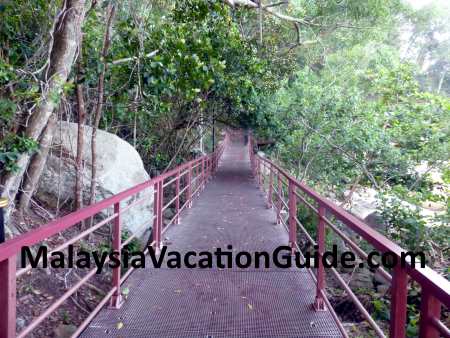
(213, 302)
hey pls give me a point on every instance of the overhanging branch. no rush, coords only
(269, 9)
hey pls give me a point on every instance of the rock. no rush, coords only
(434, 206)
(434, 175)
(382, 289)
(65, 331)
(362, 278)
(364, 202)
(379, 279)
(375, 220)
(119, 167)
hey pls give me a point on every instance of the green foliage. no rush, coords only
(368, 124)
(22, 24)
(203, 71)
(381, 309)
(10, 149)
(404, 225)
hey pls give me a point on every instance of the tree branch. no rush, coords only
(133, 58)
(275, 4)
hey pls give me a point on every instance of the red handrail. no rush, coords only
(194, 174)
(435, 288)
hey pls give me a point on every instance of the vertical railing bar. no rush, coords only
(189, 184)
(8, 292)
(430, 308)
(8, 297)
(177, 202)
(116, 299)
(280, 196)
(261, 173)
(161, 218)
(292, 202)
(203, 174)
(319, 304)
(155, 230)
(399, 292)
(270, 188)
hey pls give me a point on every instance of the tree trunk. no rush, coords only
(135, 112)
(66, 35)
(80, 138)
(37, 164)
(441, 81)
(260, 22)
(99, 106)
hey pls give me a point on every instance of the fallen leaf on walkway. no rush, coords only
(119, 325)
(37, 292)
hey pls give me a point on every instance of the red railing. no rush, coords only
(187, 180)
(284, 192)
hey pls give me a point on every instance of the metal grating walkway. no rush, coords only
(213, 302)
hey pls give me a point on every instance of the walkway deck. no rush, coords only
(220, 303)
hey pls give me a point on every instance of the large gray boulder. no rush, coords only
(119, 167)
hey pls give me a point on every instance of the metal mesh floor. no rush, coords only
(220, 303)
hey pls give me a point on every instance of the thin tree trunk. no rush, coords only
(99, 106)
(353, 188)
(260, 22)
(66, 35)
(441, 81)
(135, 112)
(37, 165)
(80, 137)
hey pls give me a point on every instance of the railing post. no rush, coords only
(430, 308)
(263, 180)
(208, 165)
(156, 214)
(189, 186)
(8, 297)
(177, 202)
(319, 304)
(161, 202)
(258, 172)
(292, 215)
(399, 292)
(202, 181)
(116, 299)
(8, 285)
(3, 205)
(253, 163)
(270, 189)
(279, 197)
